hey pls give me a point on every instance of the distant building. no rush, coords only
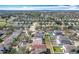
(56, 32)
(63, 40)
(37, 42)
(69, 49)
(1, 48)
(1, 32)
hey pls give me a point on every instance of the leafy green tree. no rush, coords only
(1, 40)
(13, 51)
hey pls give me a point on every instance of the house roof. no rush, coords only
(58, 32)
(64, 40)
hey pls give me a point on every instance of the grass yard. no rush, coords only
(57, 49)
(2, 24)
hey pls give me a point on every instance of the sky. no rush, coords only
(39, 2)
(57, 4)
(39, 7)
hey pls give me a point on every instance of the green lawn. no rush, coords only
(2, 24)
(57, 49)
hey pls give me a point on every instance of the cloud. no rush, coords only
(72, 7)
(39, 2)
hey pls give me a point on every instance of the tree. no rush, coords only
(6, 21)
(1, 40)
(51, 19)
(58, 22)
(13, 51)
(15, 39)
